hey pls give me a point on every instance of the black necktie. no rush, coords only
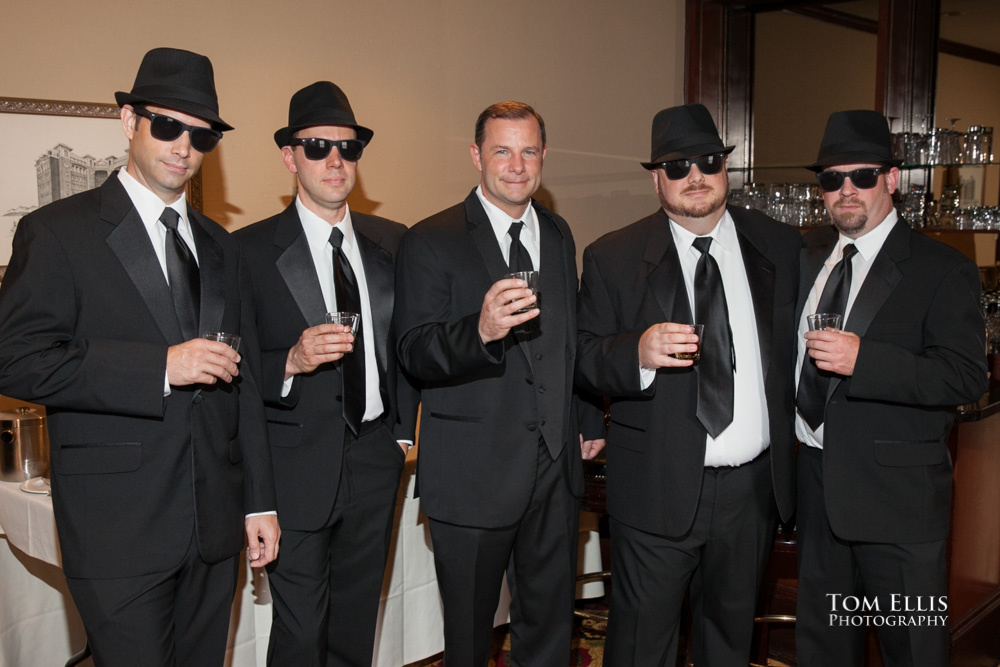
(715, 367)
(353, 363)
(813, 383)
(182, 274)
(520, 260)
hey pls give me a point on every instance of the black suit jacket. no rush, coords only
(656, 446)
(886, 469)
(306, 428)
(485, 406)
(86, 321)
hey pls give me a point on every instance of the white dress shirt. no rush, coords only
(868, 247)
(317, 233)
(500, 222)
(749, 434)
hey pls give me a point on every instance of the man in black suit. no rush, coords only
(698, 453)
(499, 468)
(338, 433)
(157, 435)
(875, 406)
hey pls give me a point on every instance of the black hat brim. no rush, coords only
(852, 157)
(283, 136)
(186, 106)
(688, 153)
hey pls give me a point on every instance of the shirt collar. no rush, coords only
(500, 221)
(318, 230)
(869, 244)
(147, 204)
(724, 236)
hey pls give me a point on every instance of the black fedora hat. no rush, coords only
(855, 137)
(176, 79)
(322, 103)
(683, 132)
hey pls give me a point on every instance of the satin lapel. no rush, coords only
(211, 271)
(820, 245)
(882, 278)
(295, 264)
(760, 277)
(665, 278)
(130, 242)
(379, 276)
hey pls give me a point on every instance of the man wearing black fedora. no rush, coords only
(700, 458)
(159, 454)
(875, 404)
(340, 414)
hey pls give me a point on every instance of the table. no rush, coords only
(39, 624)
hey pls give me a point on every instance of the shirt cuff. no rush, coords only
(286, 387)
(271, 513)
(646, 378)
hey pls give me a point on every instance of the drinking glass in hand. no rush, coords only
(530, 279)
(823, 321)
(232, 340)
(697, 330)
(344, 319)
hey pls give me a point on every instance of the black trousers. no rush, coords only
(178, 617)
(846, 587)
(326, 584)
(538, 554)
(722, 558)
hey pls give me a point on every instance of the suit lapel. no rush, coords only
(760, 277)
(379, 275)
(665, 278)
(130, 243)
(211, 270)
(295, 264)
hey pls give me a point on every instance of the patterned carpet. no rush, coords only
(587, 651)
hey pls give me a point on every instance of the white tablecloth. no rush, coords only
(39, 624)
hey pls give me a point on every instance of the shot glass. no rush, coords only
(232, 340)
(697, 330)
(530, 279)
(823, 321)
(345, 319)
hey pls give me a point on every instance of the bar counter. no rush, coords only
(974, 542)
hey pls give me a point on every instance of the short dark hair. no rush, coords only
(509, 110)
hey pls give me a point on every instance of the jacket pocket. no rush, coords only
(458, 418)
(910, 452)
(284, 434)
(624, 435)
(97, 458)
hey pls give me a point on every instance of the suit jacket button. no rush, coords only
(541, 390)
(538, 356)
(530, 380)
(532, 427)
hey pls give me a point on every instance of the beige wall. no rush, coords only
(418, 72)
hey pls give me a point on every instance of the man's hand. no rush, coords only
(405, 446)
(200, 361)
(660, 341)
(590, 448)
(263, 533)
(318, 345)
(497, 316)
(834, 350)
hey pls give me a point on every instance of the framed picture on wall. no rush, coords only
(53, 149)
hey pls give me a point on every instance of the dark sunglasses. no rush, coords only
(165, 128)
(707, 164)
(864, 179)
(318, 149)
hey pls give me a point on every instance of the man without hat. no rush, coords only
(340, 415)
(875, 405)
(700, 457)
(157, 435)
(500, 452)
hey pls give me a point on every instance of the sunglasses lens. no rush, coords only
(316, 149)
(710, 164)
(677, 169)
(204, 140)
(830, 181)
(864, 178)
(165, 128)
(350, 149)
